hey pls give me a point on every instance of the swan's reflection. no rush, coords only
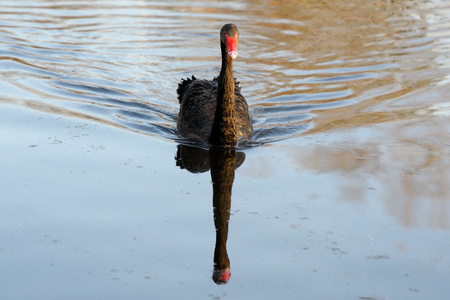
(221, 163)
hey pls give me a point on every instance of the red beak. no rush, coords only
(232, 46)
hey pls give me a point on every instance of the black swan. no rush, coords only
(214, 110)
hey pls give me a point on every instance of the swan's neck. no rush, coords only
(223, 164)
(223, 131)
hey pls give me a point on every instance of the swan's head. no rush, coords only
(229, 36)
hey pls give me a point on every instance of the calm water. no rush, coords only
(344, 193)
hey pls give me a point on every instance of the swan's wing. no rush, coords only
(197, 107)
(183, 86)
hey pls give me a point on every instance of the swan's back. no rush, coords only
(198, 99)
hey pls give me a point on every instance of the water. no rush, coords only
(343, 194)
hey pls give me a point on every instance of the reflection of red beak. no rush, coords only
(232, 46)
(221, 276)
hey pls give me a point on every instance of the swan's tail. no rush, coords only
(183, 86)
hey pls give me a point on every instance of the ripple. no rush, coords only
(120, 63)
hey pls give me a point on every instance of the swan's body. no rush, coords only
(198, 106)
(214, 110)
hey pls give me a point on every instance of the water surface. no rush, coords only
(343, 193)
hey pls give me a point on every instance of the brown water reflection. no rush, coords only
(404, 164)
(340, 60)
(381, 62)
